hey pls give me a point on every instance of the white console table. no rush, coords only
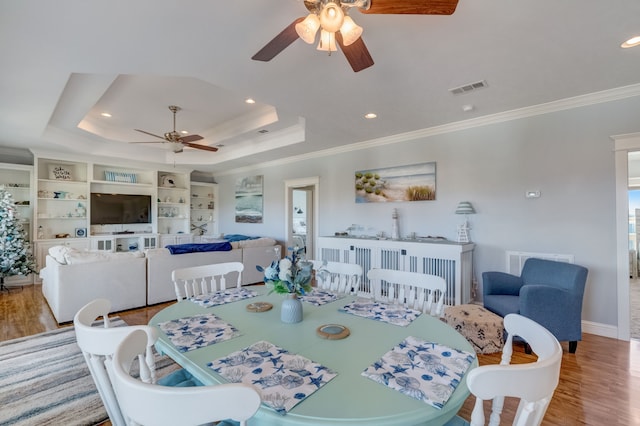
(447, 259)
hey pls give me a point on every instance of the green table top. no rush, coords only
(348, 399)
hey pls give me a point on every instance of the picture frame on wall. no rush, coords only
(415, 182)
(249, 199)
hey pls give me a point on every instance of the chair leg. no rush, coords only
(573, 345)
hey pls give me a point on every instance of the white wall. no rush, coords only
(566, 155)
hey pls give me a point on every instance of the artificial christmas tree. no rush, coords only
(15, 250)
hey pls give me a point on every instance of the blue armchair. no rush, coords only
(548, 292)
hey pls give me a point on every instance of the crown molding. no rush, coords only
(516, 114)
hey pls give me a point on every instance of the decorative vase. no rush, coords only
(291, 311)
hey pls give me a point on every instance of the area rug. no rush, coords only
(44, 380)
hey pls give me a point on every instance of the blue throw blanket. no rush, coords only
(195, 248)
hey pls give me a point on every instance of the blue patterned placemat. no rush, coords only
(198, 331)
(223, 296)
(393, 314)
(423, 370)
(320, 297)
(282, 379)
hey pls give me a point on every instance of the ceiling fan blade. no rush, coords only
(203, 147)
(279, 43)
(150, 134)
(356, 53)
(190, 138)
(412, 7)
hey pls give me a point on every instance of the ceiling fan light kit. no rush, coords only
(329, 19)
(308, 28)
(338, 28)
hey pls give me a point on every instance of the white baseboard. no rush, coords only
(599, 329)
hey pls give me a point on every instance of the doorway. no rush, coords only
(624, 145)
(634, 243)
(301, 213)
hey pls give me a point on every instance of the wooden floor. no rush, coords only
(599, 385)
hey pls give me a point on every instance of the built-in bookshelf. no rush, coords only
(204, 218)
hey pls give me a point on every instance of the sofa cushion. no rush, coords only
(157, 252)
(59, 253)
(257, 242)
(76, 257)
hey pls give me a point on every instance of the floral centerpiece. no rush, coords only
(289, 275)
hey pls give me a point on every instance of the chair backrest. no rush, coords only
(98, 343)
(199, 280)
(338, 277)
(414, 290)
(149, 404)
(534, 383)
(568, 276)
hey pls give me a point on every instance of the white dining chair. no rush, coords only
(413, 290)
(338, 277)
(98, 343)
(200, 280)
(153, 405)
(534, 383)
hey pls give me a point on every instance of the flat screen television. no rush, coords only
(119, 209)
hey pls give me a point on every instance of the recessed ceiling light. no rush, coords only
(370, 115)
(633, 41)
(105, 114)
(250, 101)
(184, 132)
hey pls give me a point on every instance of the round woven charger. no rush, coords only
(259, 306)
(333, 331)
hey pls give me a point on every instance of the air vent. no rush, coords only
(263, 131)
(468, 87)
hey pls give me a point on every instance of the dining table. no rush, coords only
(349, 398)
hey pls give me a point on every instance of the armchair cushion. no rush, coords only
(547, 292)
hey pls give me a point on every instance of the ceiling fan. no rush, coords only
(178, 142)
(335, 25)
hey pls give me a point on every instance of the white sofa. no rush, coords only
(74, 279)
(160, 264)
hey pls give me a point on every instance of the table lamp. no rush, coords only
(465, 208)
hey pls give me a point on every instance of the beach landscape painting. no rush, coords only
(416, 182)
(249, 199)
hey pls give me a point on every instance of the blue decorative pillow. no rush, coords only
(237, 237)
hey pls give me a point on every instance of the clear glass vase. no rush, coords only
(291, 310)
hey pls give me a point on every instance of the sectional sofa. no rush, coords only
(72, 278)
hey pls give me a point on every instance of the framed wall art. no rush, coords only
(416, 182)
(249, 202)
